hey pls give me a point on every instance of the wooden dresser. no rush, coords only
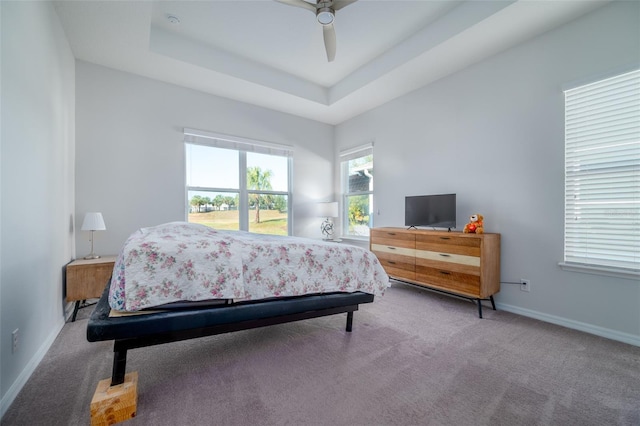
(466, 265)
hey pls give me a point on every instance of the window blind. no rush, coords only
(202, 137)
(356, 152)
(602, 173)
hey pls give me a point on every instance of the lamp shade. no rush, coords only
(329, 209)
(93, 222)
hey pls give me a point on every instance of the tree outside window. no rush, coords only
(217, 197)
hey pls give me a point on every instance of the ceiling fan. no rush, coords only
(325, 11)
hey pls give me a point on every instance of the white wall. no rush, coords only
(37, 181)
(130, 151)
(494, 134)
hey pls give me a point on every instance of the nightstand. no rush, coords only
(87, 278)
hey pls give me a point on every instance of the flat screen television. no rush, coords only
(437, 211)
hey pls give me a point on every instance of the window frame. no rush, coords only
(346, 156)
(582, 144)
(242, 146)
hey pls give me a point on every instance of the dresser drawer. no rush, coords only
(459, 282)
(383, 249)
(393, 238)
(400, 273)
(455, 263)
(447, 260)
(451, 245)
(452, 240)
(449, 249)
(398, 262)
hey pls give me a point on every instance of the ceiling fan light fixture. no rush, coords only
(325, 15)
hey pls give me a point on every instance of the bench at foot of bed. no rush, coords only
(137, 331)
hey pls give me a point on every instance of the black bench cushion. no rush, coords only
(103, 327)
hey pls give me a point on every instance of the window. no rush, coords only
(238, 184)
(602, 174)
(357, 189)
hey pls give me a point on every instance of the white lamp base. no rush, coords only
(327, 229)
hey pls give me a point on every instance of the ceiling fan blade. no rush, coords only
(329, 34)
(299, 3)
(339, 4)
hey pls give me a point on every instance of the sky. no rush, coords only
(218, 168)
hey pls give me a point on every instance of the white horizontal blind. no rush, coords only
(356, 152)
(602, 173)
(202, 137)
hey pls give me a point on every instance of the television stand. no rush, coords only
(464, 265)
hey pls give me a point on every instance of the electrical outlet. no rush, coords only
(525, 285)
(14, 341)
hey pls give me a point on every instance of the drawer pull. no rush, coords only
(445, 273)
(445, 238)
(391, 248)
(391, 233)
(444, 255)
(391, 262)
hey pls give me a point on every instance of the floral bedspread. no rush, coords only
(181, 261)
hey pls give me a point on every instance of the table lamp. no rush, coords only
(93, 222)
(327, 210)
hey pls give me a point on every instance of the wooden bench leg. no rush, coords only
(115, 404)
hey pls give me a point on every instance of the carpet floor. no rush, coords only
(414, 358)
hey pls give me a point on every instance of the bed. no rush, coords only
(181, 281)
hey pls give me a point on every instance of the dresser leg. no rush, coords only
(493, 304)
(75, 311)
(479, 308)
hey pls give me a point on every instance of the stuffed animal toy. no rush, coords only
(475, 225)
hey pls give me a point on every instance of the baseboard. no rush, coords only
(28, 370)
(576, 325)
